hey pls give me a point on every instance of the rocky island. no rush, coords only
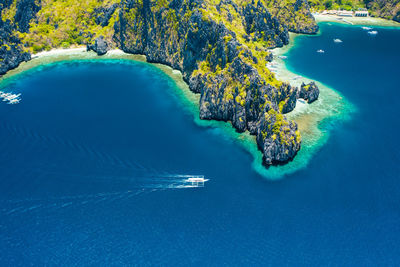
(221, 48)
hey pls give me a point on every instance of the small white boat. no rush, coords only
(10, 98)
(196, 181)
(372, 32)
(320, 51)
(366, 28)
(337, 41)
(283, 57)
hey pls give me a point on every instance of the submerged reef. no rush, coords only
(221, 48)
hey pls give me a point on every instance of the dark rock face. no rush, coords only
(388, 9)
(259, 21)
(11, 53)
(227, 70)
(26, 10)
(288, 98)
(269, 57)
(309, 92)
(301, 8)
(397, 17)
(103, 14)
(231, 87)
(279, 142)
(100, 46)
(296, 16)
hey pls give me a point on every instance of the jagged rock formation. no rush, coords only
(272, 138)
(11, 47)
(25, 11)
(103, 14)
(11, 52)
(296, 16)
(388, 9)
(221, 49)
(309, 92)
(216, 61)
(100, 46)
(259, 21)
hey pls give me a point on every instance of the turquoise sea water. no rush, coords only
(93, 157)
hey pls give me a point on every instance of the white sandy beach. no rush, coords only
(81, 50)
(370, 21)
(308, 116)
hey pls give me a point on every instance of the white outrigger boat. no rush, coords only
(195, 181)
(366, 28)
(10, 98)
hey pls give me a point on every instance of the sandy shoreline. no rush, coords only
(368, 21)
(310, 117)
(307, 116)
(76, 53)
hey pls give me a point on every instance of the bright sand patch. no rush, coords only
(369, 21)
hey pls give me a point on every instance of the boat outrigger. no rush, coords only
(196, 181)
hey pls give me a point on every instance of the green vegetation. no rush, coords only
(66, 23)
(318, 5)
(388, 9)
(63, 23)
(9, 13)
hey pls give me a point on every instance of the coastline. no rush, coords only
(368, 21)
(310, 117)
(313, 119)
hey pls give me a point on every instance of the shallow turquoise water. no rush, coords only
(93, 154)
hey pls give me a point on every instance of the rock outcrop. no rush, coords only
(11, 52)
(216, 61)
(259, 23)
(25, 11)
(11, 47)
(388, 9)
(221, 50)
(309, 92)
(100, 46)
(277, 138)
(296, 16)
(103, 14)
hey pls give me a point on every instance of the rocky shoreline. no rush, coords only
(220, 65)
(231, 88)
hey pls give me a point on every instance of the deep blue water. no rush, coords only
(88, 154)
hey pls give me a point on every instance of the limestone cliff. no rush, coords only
(221, 51)
(221, 47)
(388, 9)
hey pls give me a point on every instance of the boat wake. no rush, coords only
(140, 186)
